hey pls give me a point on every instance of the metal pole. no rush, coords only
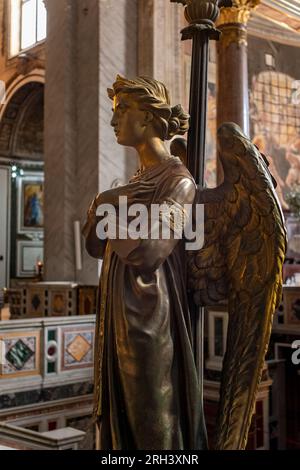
(201, 15)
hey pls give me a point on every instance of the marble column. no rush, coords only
(118, 54)
(71, 133)
(232, 67)
(233, 100)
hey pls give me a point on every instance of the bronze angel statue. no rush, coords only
(147, 391)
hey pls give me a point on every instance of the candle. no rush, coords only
(77, 238)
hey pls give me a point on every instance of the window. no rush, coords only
(217, 337)
(28, 24)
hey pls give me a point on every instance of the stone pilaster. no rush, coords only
(88, 43)
(160, 49)
(71, 133)
(118, 54)
(60, 141)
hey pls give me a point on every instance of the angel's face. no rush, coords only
(128, 121)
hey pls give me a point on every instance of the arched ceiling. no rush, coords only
(22, 124)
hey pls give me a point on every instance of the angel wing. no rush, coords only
(241, 261)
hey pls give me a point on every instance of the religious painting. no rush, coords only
(293, 231)
(211, 132)
(30, 203)
(274, 110)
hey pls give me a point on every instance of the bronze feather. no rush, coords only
(241, 261)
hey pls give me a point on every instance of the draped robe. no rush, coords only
(146, 385)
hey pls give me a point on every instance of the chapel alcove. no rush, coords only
(21, 150)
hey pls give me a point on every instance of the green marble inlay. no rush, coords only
(51, 367)
(19, 354)
(51, 335)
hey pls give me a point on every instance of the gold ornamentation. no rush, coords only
(236, 34)
(240, 13)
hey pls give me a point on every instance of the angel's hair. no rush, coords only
(178, 148)
(154, 97)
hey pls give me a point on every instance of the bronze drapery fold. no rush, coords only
(147, 391)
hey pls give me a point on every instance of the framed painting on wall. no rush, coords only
(30, 203)
(29, 253)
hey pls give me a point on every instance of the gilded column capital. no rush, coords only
(239, 13)
(233, 33)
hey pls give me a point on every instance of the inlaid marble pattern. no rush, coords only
(20, 354)
(77, 348)
(36, 302)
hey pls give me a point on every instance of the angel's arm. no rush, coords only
(147, 254)
(94, 245)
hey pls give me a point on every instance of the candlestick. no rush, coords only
(77, 238)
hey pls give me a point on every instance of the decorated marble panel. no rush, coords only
(291, 302)
(36, 302)
(59, 303)
(19, 354)
(52, 299)
(17, 303)
(87, 297)
(77, 348)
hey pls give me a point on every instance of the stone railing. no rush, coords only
(16, 438)
(46, 352)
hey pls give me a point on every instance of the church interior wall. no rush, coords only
(72, 142)
(118, 54)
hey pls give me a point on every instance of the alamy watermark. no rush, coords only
(165, 221)
(296, 354)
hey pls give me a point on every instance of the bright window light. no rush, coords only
(14, 27)
(28, 24)
(41, 20)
